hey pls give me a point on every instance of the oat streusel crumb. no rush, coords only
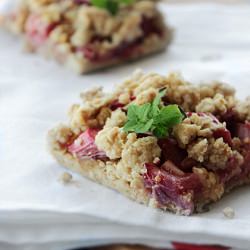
(229, 212)
(66, 178)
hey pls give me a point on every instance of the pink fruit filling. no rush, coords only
(116, 105)
(170, 181)
(37, 31)
(84, 146)
(82, 2)
(235, 172)
(243, 131)
(171, 186)
(126, 49)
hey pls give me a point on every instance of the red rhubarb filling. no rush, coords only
(236, 173)
(125, 50)
(172, 181)
(84, 146)
(171, 186)
(82, 2)
(37, 31)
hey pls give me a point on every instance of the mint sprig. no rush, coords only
(153, 117)
(111, 5)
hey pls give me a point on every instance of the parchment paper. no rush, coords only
(212, 42)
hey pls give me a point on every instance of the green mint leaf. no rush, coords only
(160, 131)
(155, 104)
(144, 111)
(127, 2)
(153, 117)
(138, 120)
(111, 5)
(133, 112)
(129, 126)
(169, 115)
(143, 127)
(100, 3)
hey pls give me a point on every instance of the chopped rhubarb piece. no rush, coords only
(225, 134)
(232, 169)
(37, 30)
(115, 105)
(171, 151)
(236, 172)
(170, 186)
(243, 130)
(172, 169)
(125, 49)
(82, 2)
(149, 26)
(183, 246)
(246, 164)
(88, 52)
(229, 116)
(187, 164)
(84, 146)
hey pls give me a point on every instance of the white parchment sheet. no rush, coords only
(211, 42)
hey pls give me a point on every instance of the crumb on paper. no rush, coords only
(229, 212)
(66, 178)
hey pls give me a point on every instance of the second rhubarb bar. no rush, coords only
(85, 35)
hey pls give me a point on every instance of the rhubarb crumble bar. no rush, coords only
(86, 35)
(161, 141)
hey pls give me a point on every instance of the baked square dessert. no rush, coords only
(86, 35)
(161, 141)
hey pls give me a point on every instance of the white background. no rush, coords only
(211, 42)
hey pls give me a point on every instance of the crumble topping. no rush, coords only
(60, 136)
(146, 96)
(141, 151)
(117, 119)
(111, 141)
(93, 112)
(214, 189)
(196, 125)
(214, 153)
(196, 134)
(215, 105)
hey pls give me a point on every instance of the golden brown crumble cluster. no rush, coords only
(196, 134)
